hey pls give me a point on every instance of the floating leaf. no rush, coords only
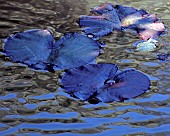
(84, 81)
(119, 17)
(31, 47)
(99, 82)
(127, 84)
(125, 11)
(74, 50)
(102, 24)
(37, 49)
(150, 30)
(134, 21)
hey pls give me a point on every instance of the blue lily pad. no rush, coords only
(99, 82)
(145, 24)
(74, 50)
(85, 81)
(102, 24)
(118, 17)
(125, 85)
(103, 9)
(109, 13)
(136, 20)
(31, 47)
(124, 11)
(38, 49)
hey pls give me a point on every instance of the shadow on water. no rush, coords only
(31, 102)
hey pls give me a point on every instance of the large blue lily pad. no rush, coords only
(38, 49)
(100, 82)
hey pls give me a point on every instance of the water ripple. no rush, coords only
(31, 102)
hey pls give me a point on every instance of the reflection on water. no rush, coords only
(31, 102)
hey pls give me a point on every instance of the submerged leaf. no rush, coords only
(146, 46)
(100, 82)
(37, 49)
(164, 57)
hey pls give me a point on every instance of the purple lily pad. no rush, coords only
(38, 49)
(99, 82)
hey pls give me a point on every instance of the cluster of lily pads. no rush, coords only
(76, 53)
(110, 17)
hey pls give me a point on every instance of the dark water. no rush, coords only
(31, 103)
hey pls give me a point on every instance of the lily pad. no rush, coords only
(100, 82)
(124, 11)
(103, 23)
(38, 49)
(150, 30)
(125, 85)
(31, 47)
(85, 81)
(108, 17)
(74, 50)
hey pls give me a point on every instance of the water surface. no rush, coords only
(31, 102)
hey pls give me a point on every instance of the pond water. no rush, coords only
(31, 102)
